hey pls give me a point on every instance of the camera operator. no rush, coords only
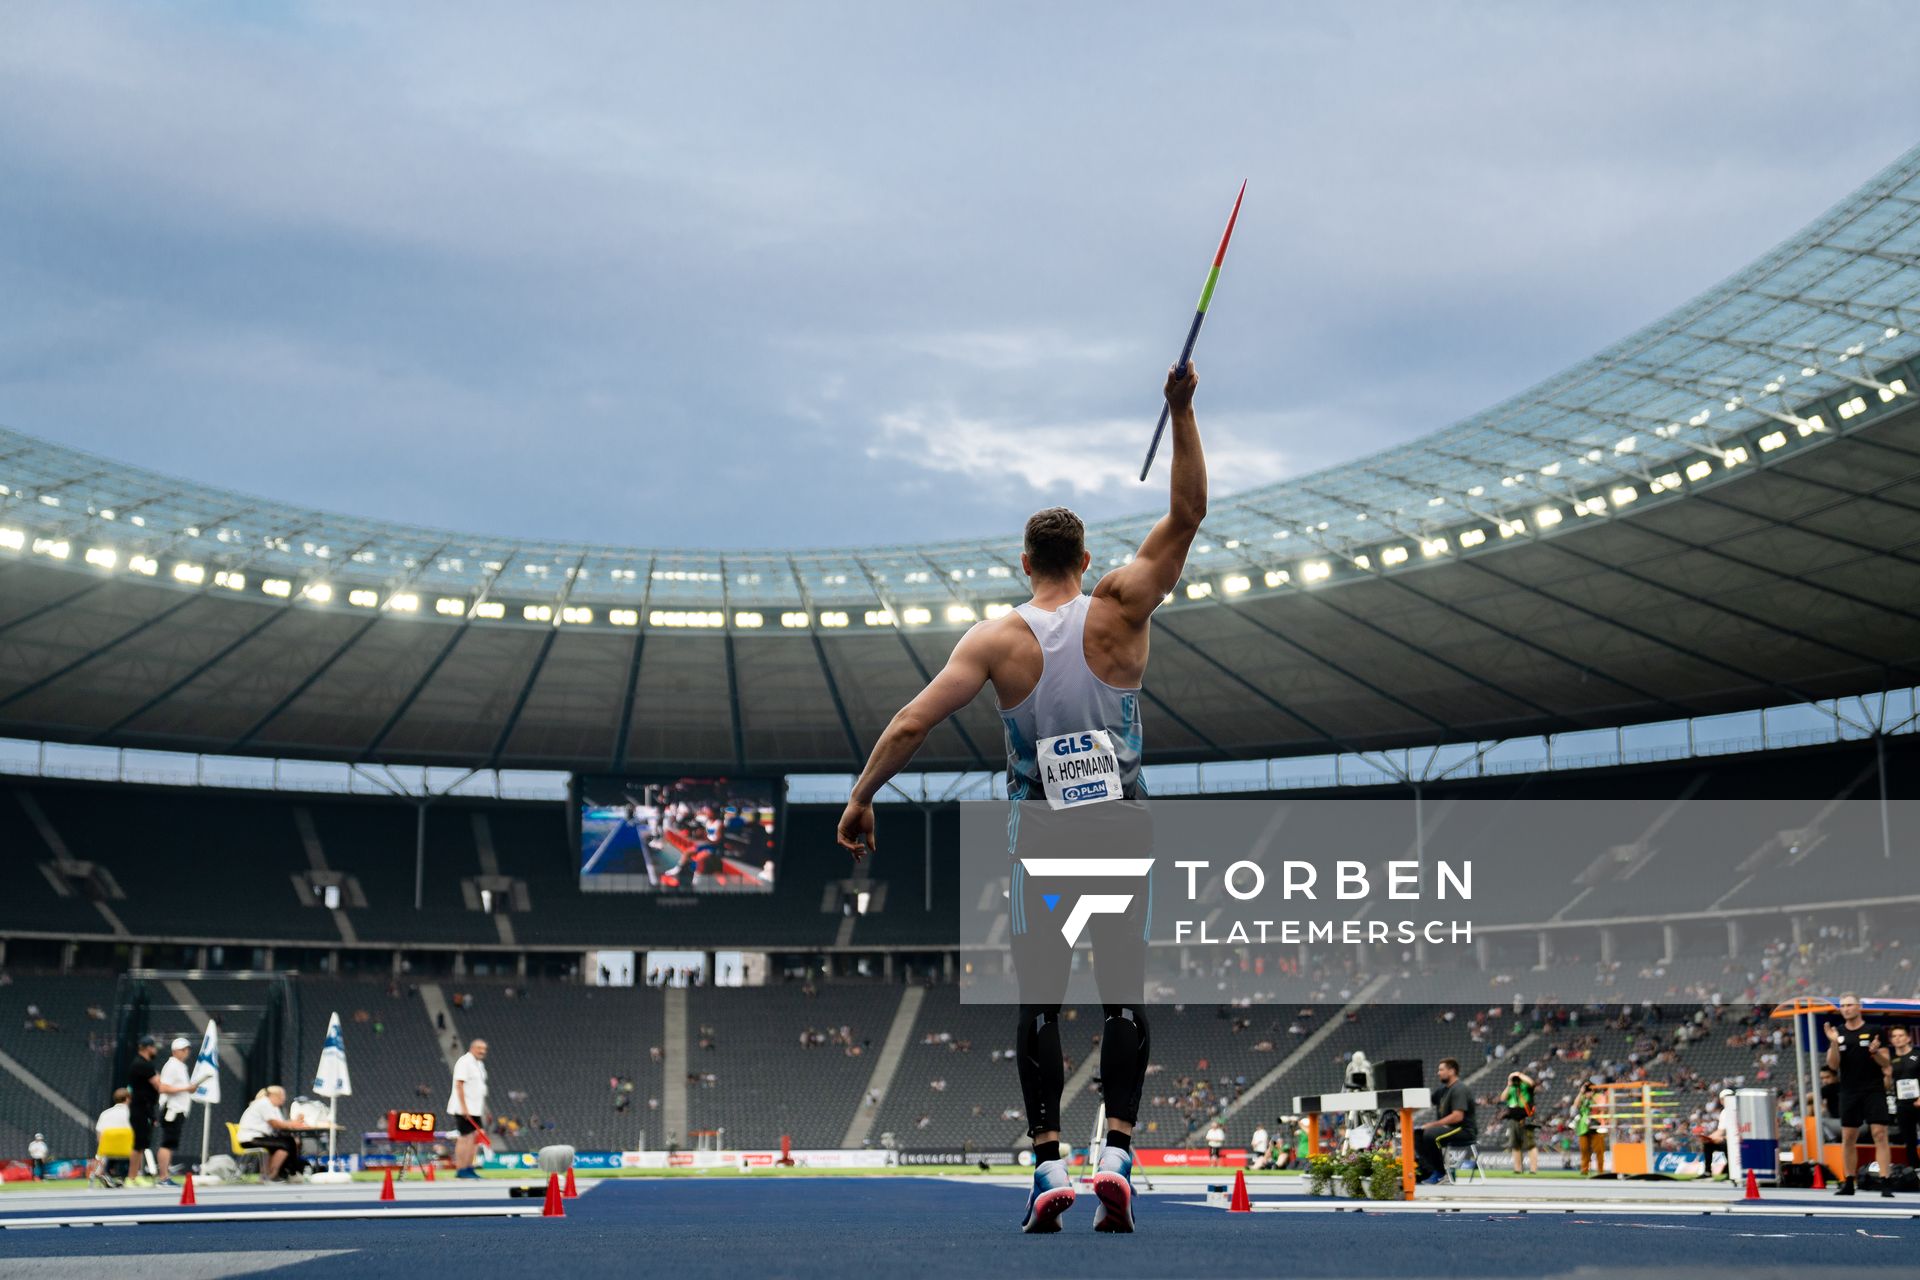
(1516, 1102)
(1855, 1052)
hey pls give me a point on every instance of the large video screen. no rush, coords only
(677, 835)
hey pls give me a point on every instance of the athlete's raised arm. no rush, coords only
(957, 684)
(1142, 583)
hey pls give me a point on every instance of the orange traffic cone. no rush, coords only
(1753, 1187)
(1240, 1203)
(386, 1186)
(429, 1168)
(186, 1192)
(555, 1206)
(569, 1191)
(1819, 1177)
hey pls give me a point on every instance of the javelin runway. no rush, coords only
(938, 1228)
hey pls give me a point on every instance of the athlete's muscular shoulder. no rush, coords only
(1116, 637)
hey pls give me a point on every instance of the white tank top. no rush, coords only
(1065, 717)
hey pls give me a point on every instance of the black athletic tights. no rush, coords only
(1124, 1044)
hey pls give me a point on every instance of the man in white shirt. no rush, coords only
(37, 1153)
(468, 1106)
(176, 1099)
(1216, 1141)
(117, 1116)
(1257, 1157)
(264, 1125)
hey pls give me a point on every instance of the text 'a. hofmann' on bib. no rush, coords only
(1079, 768)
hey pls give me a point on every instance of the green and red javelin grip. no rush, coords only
(1199, 317)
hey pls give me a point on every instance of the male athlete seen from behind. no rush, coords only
(1066, 671)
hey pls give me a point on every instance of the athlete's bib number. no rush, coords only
(1908, 1089)
(1079, 768)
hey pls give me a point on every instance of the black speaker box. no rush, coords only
(1399, 1073)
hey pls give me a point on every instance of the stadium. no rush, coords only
(322, 781)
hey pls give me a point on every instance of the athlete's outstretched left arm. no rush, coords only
(957, 684)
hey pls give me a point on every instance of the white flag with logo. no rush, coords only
(206, 1066)
(331, 1081)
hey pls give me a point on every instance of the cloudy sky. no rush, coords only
(778, 274)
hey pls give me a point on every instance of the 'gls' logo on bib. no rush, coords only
(1079, 768)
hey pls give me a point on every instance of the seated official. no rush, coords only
(265, 1125)
(115, 1119)
(1452, 1125)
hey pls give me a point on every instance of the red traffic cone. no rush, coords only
(555, 1206)
(569, 1191)
(186, 1192)
(386, 1186)
(1240, 1202)
(428, 1166)
(1753, 1187)
(1819, 1176)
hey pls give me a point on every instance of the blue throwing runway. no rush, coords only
(931, 1229)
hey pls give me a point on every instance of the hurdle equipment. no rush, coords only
(386, 1185)
(556, 1206)
(1241, 1202)
(1633, 1113)
(186, 1192)
(1404, 1101)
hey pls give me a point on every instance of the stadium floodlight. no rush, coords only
(1508, 528)
(537, 612)
(1809, 371)
(1234, 585)
(272, 586)
(230, 580)
(1547, 517)
(1735, 456)
(1393, 555)
(1626, 444)
(1807, 426)
(13, 539)
(450, 607)
(1315, 571)
(915, 616)
(1699, 469)
(795, 620)
(57, 548)
(879, 617)
(576, 615)
(318, 592)
(1199, 590)
(1621, 496)
(1594, 506)
(1473, 537)
(833, 618)
(492, 610)
(1363, 562)
(102, 557)
(192, 574)
(1550, 470)
(1897, 387)
(146, 566)
(106, 513)
(1431, 547)
(749, 620)
(1276, 577)
(960, 613)
(999, 571)
(1700, 419)
(624, 617)
(404, 602)
(1772, 440)
(999, 610)
(361, 598)
(1891, 333)
(1848, 408)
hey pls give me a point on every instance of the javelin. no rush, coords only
(1199, 316)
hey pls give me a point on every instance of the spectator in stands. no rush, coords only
(117, 1116)
(1452, 1125)
(468, 1106)
(263, 1124)
(1216, 1141)
(176, 1099)
(37, 1154)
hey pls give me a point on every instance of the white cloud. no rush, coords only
(1001, 350)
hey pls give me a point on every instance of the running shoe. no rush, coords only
(1052, 1196)
(1113, 1184)
(468, 1173)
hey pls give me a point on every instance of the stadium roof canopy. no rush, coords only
(1718, 512)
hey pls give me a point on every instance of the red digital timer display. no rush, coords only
(411, 1126)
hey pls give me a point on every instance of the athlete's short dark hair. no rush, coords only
(1055, 542)
(1451, 1064)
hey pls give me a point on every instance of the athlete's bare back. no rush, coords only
(1003, 651)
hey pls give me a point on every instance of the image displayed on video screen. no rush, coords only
(685, 835)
